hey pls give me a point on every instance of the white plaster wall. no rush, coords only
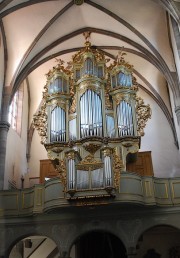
(174, 47)
(159, 139)
(177, 60)
(16, 163)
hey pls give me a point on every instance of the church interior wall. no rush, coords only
(2, 61)
(16, 162)
(158, 135)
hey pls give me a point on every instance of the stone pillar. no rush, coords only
(4, 128)
(131, 252)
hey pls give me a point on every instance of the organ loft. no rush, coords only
(90, 120)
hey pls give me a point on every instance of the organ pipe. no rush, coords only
(58, 126)
(125, 119)
(91, 114)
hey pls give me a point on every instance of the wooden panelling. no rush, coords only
(143, 164)
(47, 170)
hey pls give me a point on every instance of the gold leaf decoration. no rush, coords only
(117, 167)
(40, 122)
(61, 169)
(143, 113)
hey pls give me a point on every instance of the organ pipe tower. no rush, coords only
(90, 119)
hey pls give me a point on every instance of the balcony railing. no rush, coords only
(133, 189)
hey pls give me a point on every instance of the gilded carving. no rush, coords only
(61, 169)
(89, 85)
(73, 105)
(78, 57)
(89, 163)
(91, 147)
(40, 122)
(143, 113)
(70, 155)
(117, 168)
(107, 151)
(108, 102)
(120, 63)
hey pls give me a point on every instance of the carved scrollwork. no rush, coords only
(108, 102)
(99, 56)
(73, 105)
(89, 163)
(40, 122)
(91, 147)
(143, 113)
(117, 168)
(61, 169)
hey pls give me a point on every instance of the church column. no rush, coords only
(131, 252)
(4, 128)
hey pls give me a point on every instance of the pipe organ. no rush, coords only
(88, 121)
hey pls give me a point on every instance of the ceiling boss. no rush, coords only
(89, 120)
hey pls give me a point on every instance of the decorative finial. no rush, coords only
(59, 61)
(120, 55)
(87, 35)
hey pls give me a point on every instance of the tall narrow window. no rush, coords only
(15, 110)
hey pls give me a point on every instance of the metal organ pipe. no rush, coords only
(125, 119)
(71, 170)
(108, 172)
(91, 114)
(58, 125)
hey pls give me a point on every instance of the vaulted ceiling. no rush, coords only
(33, 33)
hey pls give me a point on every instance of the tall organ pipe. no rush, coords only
(58, 125)
(91, 114)
(125, 119)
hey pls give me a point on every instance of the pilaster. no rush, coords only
(4, 128)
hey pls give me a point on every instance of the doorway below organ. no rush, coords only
(98, 245)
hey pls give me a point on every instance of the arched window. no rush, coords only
(91, 114)
(58, 125)
(125, 119)
(15, 110)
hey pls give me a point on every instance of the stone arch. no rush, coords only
(35, 241)
(103, 236)
(148, 241)
(113, 227)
